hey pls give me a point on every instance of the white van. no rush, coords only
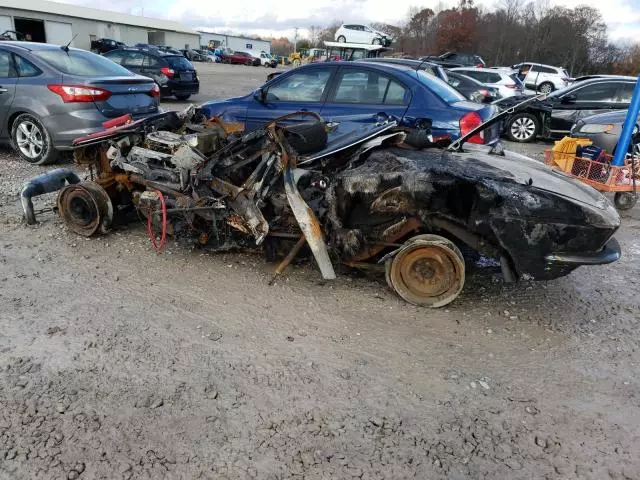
(266, 60)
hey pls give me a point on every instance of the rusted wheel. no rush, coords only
(428, 270)
(86, 208)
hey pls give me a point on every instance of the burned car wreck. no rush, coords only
(352, 192)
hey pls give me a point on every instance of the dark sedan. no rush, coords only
(174, 74)
(50, 95)
(472, 89)
(554, 117)
(338, 90)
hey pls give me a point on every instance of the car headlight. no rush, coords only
(597, 128)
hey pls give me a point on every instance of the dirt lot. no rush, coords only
(116, 362)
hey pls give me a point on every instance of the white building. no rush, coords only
(234, 42)
(52, 22)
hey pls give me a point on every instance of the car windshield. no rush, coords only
(179, 62)
(81, 63)
(447, 93)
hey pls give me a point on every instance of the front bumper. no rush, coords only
(610, 253)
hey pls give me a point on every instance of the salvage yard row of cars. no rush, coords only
(368, 164)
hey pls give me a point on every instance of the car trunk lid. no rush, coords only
(134, 95)
(183, 68)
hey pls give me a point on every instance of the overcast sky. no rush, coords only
(280, 17)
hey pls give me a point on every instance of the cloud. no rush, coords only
(281, 17)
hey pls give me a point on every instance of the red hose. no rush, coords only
(152, 236)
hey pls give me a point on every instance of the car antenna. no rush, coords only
(66, 47)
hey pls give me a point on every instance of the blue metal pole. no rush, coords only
(627, 129)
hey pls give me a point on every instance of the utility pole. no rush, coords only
(295, 39)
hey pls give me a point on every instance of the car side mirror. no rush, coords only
(569, 99)
(260, 95)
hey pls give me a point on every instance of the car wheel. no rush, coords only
(341, 39)
(418, 138)
(183, 97)
(625, 200)
(376, 41)
(546, 87)
(523, 128)
(31, 140)
(428, 270)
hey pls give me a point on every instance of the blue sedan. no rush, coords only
(341, 91)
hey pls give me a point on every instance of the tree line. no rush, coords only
(574, 38)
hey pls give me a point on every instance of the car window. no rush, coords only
(306, 86)
(534, 68)
(442, 90)
(493, 77)
(81, 63)
(366, 86)
(547, 70)
(178, 62)
(625, 92)
(115, 56)
(7, 69)
(452, 56)
(134, 59)
(599, 92)
(150, 62)
(476, 75)
(25, 67)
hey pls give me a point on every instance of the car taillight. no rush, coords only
(155, 91)
(468, 122)
(169, 72)
(511, 85)
(80, 93)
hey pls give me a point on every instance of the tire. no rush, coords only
(625, 200)
(418, 139)
(523, 128)
(341, 39)
(182, 97)
(249, 63)
(546, 87)
(307, 137)
(376, 41)
(31, 140)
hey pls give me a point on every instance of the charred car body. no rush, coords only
(353, 192)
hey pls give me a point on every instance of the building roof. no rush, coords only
(56, 8)
(206, 32)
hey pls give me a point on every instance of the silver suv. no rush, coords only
(542, 78)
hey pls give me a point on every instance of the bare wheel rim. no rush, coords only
(523, 128)
(427, 272)
(341, 39)
(29, 139)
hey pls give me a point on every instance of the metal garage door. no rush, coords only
(5, 24)
(58, 32)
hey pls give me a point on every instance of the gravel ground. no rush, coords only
(116, 362)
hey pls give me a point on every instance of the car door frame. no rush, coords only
(254, 121)
(9, 84)
(330, 98)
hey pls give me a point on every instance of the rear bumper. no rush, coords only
(79, 123)
(610, 253)
(182, 88)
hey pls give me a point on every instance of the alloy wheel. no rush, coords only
(546, 88)
(30, 139)
(523, 128)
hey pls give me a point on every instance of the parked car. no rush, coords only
(50, 95)
(554, 117)
(240, 58)
(472, 89)
(266, 60)
(508, 84)
(362, 90)
(146, 46)
(174, 74)
(454, 59)
(210, 57)
(104, 45)
(428, 67)
(194, 56)
(361, 34)
(604, 129)
(542, 78)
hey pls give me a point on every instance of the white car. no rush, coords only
(542, 78)
(507, 83)
(361, 34)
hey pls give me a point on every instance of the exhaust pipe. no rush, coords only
(46, 183)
